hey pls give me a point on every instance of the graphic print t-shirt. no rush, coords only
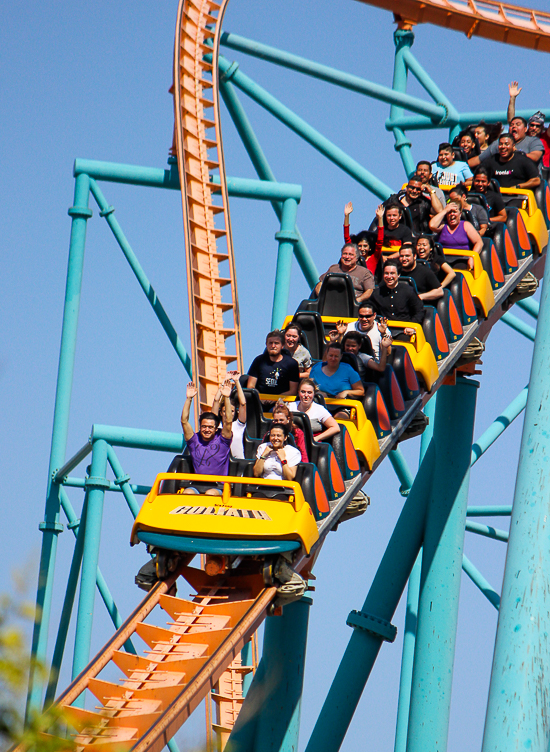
(274, 378)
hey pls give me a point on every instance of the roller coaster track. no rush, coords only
(204, 221)
(489, 19)
(188, 661)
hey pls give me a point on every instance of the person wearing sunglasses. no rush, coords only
(420, 207)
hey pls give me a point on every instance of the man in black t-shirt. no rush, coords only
(481, 184)
(274, 372)
(419, 207)
(512, 169)
(428, 286)
(395, 232)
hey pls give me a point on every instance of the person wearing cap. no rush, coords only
(530, 145)
(448, 171)
(535, 128)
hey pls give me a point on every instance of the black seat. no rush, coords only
(337, 296)
(256, 424)
(313, 330)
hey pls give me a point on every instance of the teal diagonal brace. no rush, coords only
(520, 326)
(479, 581)
(230, 71)
(402, 470)
(108, 212)
(500, 424)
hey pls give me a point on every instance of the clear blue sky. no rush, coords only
(91, 81)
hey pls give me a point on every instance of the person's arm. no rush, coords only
(467, 175)
(234, 376)
(251, 383)
(380, 365)
(368, 287)
(474, 237)
(357, 390)
(434, 294)
(216, 403)
(513, 89)
(500, 217)
(336, 335)
(416, 308)
(535, 156)
(348, 208)
(258, 469)
(436, 223)
(289, 471)
(186, 426)
(227, 424)
(300, 441)
(331, 428)
(436, 205)
(292, 389)
(529, 184)
(450, 274)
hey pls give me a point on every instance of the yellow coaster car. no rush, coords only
(359, 428)
(531, 214)
(477, 278)
(239, 522)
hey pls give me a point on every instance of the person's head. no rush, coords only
(482, 180)
(445, 154)
(306, 391)
(393, 215)
(281, 414)
(467, 143)
(414, 188)
(234, 409)
(518, 128)
(208, 425)
(333, 354)
(424, 171)
(352, 343)
(274, 343)
(506, 147)
(459, 195)
(292, 333)
(278, 434)
(363, 242)
(454, 213)
(349, 255)
(366, 317)
(391, 273)
(535, 124)
(482, 134)
(407, 256)
(424, 246)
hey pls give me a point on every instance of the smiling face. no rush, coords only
(364, 247)
(517, 129)
(406, 257)
(481, 135)
(277, 437)
(391, 276)
(413, 190)
(366, 317)
(423, 247)
(446, 157)
(424, 172)
(351, 346)
(306, 394)
(467, 143)
(392, 217)
(349, 258)
(535, 129)
(334, 356)
(207, 429)
(292, 339)
(480, 183)
(506, 148)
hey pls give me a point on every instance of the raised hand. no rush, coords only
(386, 340)
(192, 390)
(380, 210)
(226, 387)
(341, 327)
(383, 326)
(514, 89)
(348, 208)
(233, 375)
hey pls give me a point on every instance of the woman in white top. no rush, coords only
(323, 424)
(275, 459)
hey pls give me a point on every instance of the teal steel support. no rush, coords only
(530, 307)
(487, 531)
(139, 438)
(420, 123)
(81, 483)
(80, 213)
(479, 581)
(441, 567)
(402, 470)
(489, 511)
(403, 40)
(261, 190)
(425, 80)
(393, 96)
(108, 212)
(377, 612)
(264, 172)
(286, 238)
(498, 427)
(411, 614)
(123, 481)
(336, 155)
(67, 610)
(269, 720)
(90, 557)
(246, 660)
(520, 326)
(518, 712)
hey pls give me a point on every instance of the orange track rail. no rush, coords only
(501, 22)
(184, 662)
(213, 320)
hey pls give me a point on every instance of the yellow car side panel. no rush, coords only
(360, 429)
(227, 516)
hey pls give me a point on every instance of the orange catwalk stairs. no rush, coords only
(182, 664)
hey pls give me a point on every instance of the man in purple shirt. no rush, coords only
(209, 449)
